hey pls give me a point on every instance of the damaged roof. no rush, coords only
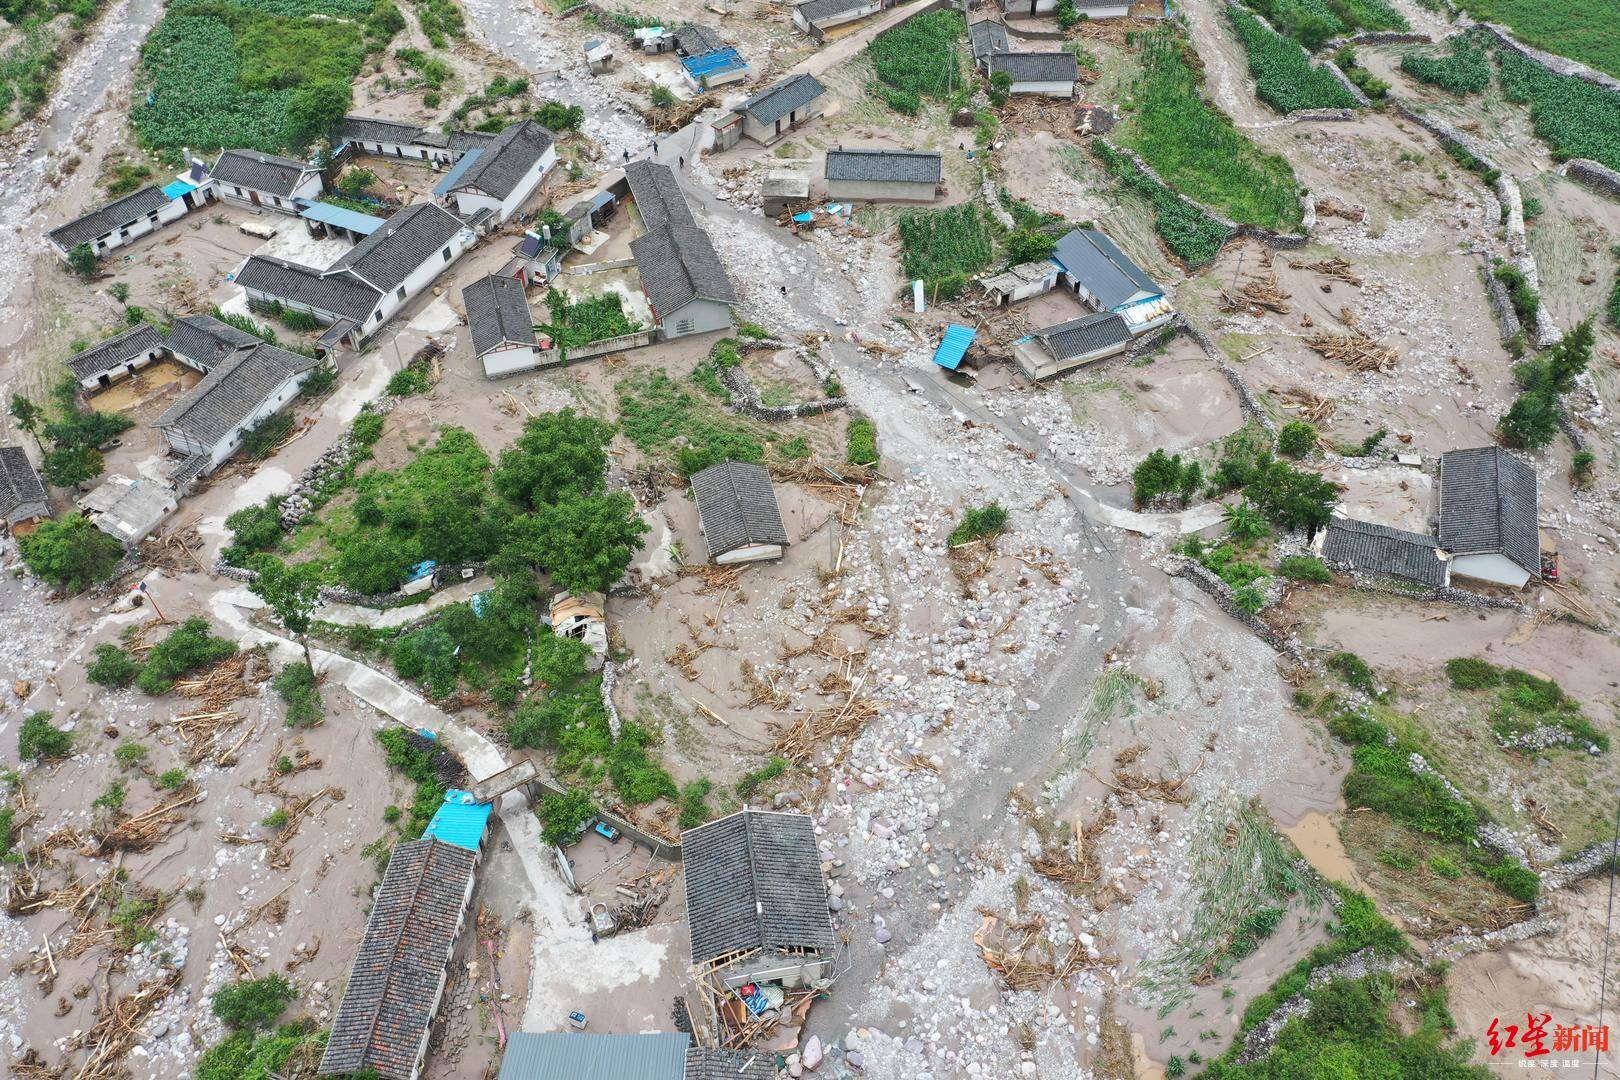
(1085, 335)
(260, 171)
(753, 882)
(779, 99)
(1033, 67)
(1488, 506)
(678, 264)
(695, 39)
(884, 166)
(106, 219)
(497, 313)
(709, 1063)
(116, 350)
(503, 164)
(232, 392)
(987, 37)
(205, 340)
(395, 982)
(22, 493)
(1379, 549)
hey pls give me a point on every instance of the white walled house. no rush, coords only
(1488, 516)
(208, 421)
(781, 107)
(1046, 74)
(202, 342)
(409, 142)
(125, 220)
(496, 180)
(117, 358)
(883, 175)
(816, 17)
(737, 513)
(1066, 346)
(686, 285)
(1098, 272)
(1094, 9)
(258, 180)
(357, 294)
(502, 328)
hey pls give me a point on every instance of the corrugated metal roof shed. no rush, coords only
(461, 820)
(453, 177)
(954, 346)
(342, 217)
(578, 1055)
(727, 59)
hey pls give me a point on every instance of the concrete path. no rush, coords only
(845, 47)
(356, 615)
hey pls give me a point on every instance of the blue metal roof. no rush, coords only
(601, 200)
(453, 177)
(727, 59)
(176, 188)
(579, 1055)
(342, 217)
(953, 346)
(421, 570)
(460, 821)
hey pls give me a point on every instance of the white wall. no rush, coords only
(879, 191)
(419, 279)
(511, 359)
(274, 404)
(749, 553)
(697, 317)
(1495, 568)
(1033, 359)
(1023, 7)
(121, 372)
(242, 195)
(134, 230)
(469, 200)
(765, 134)
(1045, 89)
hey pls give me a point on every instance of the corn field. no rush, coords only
(1284, 77)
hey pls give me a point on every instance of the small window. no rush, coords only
(276, 199)
(684, 326)
(402, 292)
(238, 192)
(376, 316)
(446, 254)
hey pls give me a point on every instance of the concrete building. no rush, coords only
(986, 38)
(358, 293)
(598, 57)
(391, 138)
(1046, 74)
(1022, 282)
(502, 328)
(756, 901)
(686, 286)
(128, 510)
(1066, 346)
(117, 358)
(783, 188)
(781, 107)
(23, 501)
(131, 217)
(1095, 9)
(399, 974)
(1368, 548)
(202, 342)
(883, 175)
(1105, 278)
(489, 185)
(207, 423)
(737, 513)
(707, 61)
(257, 180)
(1488, 516)
(816, 17)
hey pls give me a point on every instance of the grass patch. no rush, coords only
(945, 247)
(593, 318)
(1190, 234)
(861, 436)
(654, 411)
(1196, 148)
(977, 523)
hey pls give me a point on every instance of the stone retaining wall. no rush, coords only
(992, 198)
(1558, 65)
(1598, 177)
(745, 395)
(1221, 593)
(1378, 37)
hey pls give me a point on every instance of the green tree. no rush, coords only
(662, 96)
(1296, 439)
(1292, 498)
(253, 529)
(374, 561)
(292, 591)
(29, 416)
(561, 816)
(70, 552)
(1027, 245)
(188, 647)
(83, 261)
(585, 542)
(314, 107)
(559, 454)
(253, 1003)
(41, 740)
(1532, 420)
(70, 466)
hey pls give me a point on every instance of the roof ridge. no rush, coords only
(753, 872)
(393, 948)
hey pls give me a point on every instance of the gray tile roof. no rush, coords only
(580, 1055)
(106, 219)
(706, 1063)
(413, 236)
(507, 160)
(753, 881)
(737, 506)
(116, 350)
(781, 98)
(695, 39)
(886, 166)
(1488, 505)
(987, 36)
(497, 313)
(678, 264)
(1379, 549)
(1084, 335)
(261, 172)
(658, 194)
(205, 341)
(1107, 272)
(340, 294)
(22, 493)
(394, 983)
(816, 10)
(232, 392)
(1036, 67)
(375, 130)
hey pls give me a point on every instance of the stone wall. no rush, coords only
(1558, 65)
(992, 198)
(1248, 403)
(1598, 177)
(745, 395)
(336, 457)
(1221, 593)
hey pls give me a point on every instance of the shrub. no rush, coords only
(130, 754)
(1249, 598)
(695, 803)
(751, 782)
(1160, 475)
(662, 96)
(1515, 879)
(1532, 420)
(1580, 467)
(1296, 439)
(978, 522)
(172, 779)
(83, 261)
(405, 382)
(112, 798)
(111, 667)
(1472, 673)
(1305, 568)
(861, 436)
(253, 529)
(187, 648)
(275, 819)
(1354, 671)
(70, 552)
(367, 428)
(296, 685)
(561, 816)
(41, 740)
(320, 379)
(261, 440)
(253, 1003)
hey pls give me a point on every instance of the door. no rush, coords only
(191, 204)
(253, 197)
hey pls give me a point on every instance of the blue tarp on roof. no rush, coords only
(342, 218)
(460, 821)
(420, 570)
(177, 188)
(711, 62)
(453, 177)
(953, 347)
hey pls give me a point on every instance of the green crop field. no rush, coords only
(1312, 22)
(1283, 77)
(1584, 30)
(1576, 118)
(920, 58)
(1195, 147)
(1465, 70)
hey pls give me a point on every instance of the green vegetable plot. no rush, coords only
(945, 247)
(1577, 118)
(1284, 78)
(920, 58)
(1467, 70)
(1313, 22)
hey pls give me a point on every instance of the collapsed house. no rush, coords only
(557, 1055)
(208, 422)
(357, 294)
(773, 112)
(816, 17)
(502, 328)
(737, 513)
(264, 181)
(133, 216)
(581, 618)
(1068, 345)
(876, 175)
(1099, 273)
(128, 509)
(1366, 547)
(489, 184)
(23, 501)
(756, 905)
(685, 283)
(1022, 282)
(399, 974)
(1046, 74)
(1488, 516)
(783, 189)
